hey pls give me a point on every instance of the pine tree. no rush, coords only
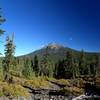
(36, 65)
(46, 68)
(27, 70)
(82, 63)
(8, 59)
(69, 65)
(96, 64)
(76, 68)
(55, 70)
(2, 20)
(60, 70)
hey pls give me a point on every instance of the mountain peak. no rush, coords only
(54, 46)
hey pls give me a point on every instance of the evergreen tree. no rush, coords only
(2, 20)
(76, 68)
(60, 70)
(8, 59)
(92, 69)
(88, 65)
(36, 65)
(97, 65)
(69, 65)
(82, 63)
(27, 70)
(67, 68)
(55, 70)
(46, 68)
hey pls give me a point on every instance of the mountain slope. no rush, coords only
(57, 52)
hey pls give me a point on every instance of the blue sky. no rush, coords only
(72, 23)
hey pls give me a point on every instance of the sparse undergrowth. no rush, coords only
(72, 90)
(17, 89)
(38, 83)
(12, 90)
(69, 86)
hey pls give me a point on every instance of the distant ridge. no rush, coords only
(57, 52)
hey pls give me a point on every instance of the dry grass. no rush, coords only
(73, 90)
(39, 83)
(12, 90)
(64, 82)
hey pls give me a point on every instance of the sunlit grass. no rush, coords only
(12, 90)
(39, 83)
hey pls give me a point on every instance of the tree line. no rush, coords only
(69, 67)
